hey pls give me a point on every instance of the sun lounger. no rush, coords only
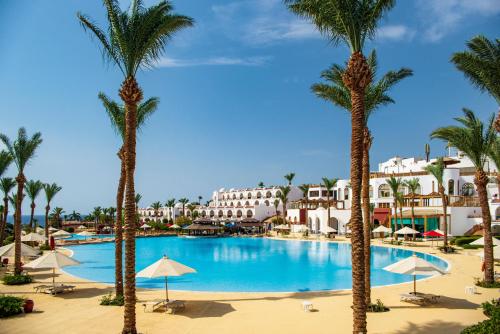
(419, 298)
(54, 289)
(172, 306)
(175, 306)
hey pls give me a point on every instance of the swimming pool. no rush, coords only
(75, 236)
(245, 264)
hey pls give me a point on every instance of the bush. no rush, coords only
(378, 307)
(447, 249)
(467, 246)
(183, 221)
(17, 279)
(44, 247)
(483, 284)
(71, 229)
(10, 305)
(460, 241)
(491, 310)
(109, 300)
(8, 240)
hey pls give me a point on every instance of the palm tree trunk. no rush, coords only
(413, 214)
(365, 193)
(481, 180)
(5, 214)
(131, 96)
(118, 227)
(20, 179)
(32, 215)
(46, 228)
(497, 123)
(356, 77)
(328, 205)
(395, 236)
(445, 221)
(401, 215)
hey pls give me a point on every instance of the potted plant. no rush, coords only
(28, 305)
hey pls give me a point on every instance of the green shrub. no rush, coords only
(183, 221)
(10, 305)
(378, 307)
(8, 240)
(17, 279)
(109, 300)
(44, 247)
(492, 325)
(71, 229)
(483, 284)
(467, 246)
(460, 241)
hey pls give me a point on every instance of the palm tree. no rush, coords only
(376, 95)
(156, 206)
(395, 184)
(289, 177)
(33, 188)
(329, 184)
(413, 185)
(351, 22)
(116, 113)
(276, 206)
(481, 65)
(476, 140)
(495, 156)
(401, 202)
(437, 170)
(50, 191)
(191, 208)
(6, 185)
(283, 196)
(5, 161)
(22, 151)
(171, 204)
(135, 39)
(261, 184)
(184, 201)
(199, 199)
(305, 193)
(75, 216)
(57, 212)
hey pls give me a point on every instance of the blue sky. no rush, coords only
(236, 106)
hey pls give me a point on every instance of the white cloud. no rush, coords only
(444, 16)
(214, 61)
(259, 22)
(395, 33)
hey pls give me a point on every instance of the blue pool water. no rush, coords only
(245, 264)
(97, 236)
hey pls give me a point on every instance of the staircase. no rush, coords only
(475, 230)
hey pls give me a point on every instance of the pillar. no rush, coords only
(425, 224)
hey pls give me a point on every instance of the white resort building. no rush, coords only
(463, 212)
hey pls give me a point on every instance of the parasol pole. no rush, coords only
(166, 288)
(415, 285)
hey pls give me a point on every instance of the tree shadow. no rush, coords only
(203, 309)
(436, 327)
(294, 295)
(445, 303)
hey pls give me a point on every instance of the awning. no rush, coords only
(381, 214)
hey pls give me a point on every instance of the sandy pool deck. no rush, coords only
(241, 313)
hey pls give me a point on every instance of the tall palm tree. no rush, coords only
(495, 156)
(413, 185)
(481, 65)
(116, 113)
(351, 22)
(171, 204)
(136, 38)
(184, 201)
(305, 193)
(33, 189)
(395, 184)
(475, 139)
(5, 161)
(51, 191)
(276, 206)
(283, 196)
(261, 184)
(329, 184)
(289, 177)
(437, 170)
(199, 199)
(401, 202)
(191, 208)
(156, 207)
(6, 185)
(376, 96)
(22, 151)
(57, 212)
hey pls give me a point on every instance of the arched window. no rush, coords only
(451, 187)
(239, 213)
(230, 213)
(334, 223)
(266, 202)
(249, 214)
(188, 213)
(268, 194)
(247, 203)
(317, 227)
(310, 223)
(234, 196)
(346, 193)
(256, 203)
(259, 195)
(384, 190)
(371, 192)
(340, 194)
(468, 189)
(241, 196)
(278, 194)
(295, 219)
(249, 195)
(203, 213)
(223, 197)
(220, 213)
(238, 204)
(212, 213)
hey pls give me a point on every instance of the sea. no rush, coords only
(25, 219)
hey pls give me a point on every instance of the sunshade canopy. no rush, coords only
(175, 226)
(85, 234)
(382, 229)
(145, 226)
(480, 242)
(165, 267)
(432, 233)
(329, 229)
(33, 237)
(282, 227)
(8, 250)
(52, 260)
(406, 230)
(496, 253)
(53, 229)
(61, 233)
(414, 265)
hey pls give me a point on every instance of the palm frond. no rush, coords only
(6, 185)
(5, 161)
(50, 191)
(23, 148)
(33, 188)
